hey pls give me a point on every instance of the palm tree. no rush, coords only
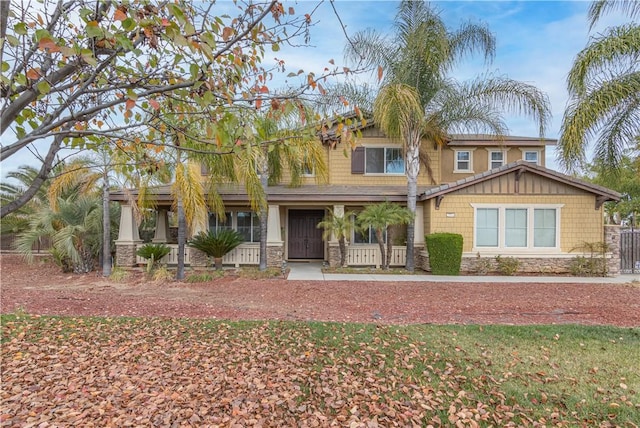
(340, 227)
(419, 103)
(74, 228)
(83, 174)
(18, 221)
(603, 85)
(381, 217)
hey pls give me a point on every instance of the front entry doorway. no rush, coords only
(305, 239)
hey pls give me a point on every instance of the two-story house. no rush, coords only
(497, 193)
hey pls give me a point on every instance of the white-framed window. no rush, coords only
(245, 222)
(307, 168)
(463, 161)
(384, 160)
(497, 158)
(532, 156)
(517, 226)
(367, 236)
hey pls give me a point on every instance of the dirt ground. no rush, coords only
(40, 288)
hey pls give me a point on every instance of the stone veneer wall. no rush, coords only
(334, 255)
(198, 258)
(275, 255)
(126, 255)
(612, 238)
(528, 265)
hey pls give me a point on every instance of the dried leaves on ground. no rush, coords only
(117, 372)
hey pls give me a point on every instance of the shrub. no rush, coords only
(483, 265)
(507, 265)
(119, 275)
(445, 253)
(153, 253)
(217, 244)
(593, 265)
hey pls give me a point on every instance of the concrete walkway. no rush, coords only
(312, 271)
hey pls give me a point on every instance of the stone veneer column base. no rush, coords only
(612, 239)
(334, 255)
(126, 254)
(198, 258)
(275, 254)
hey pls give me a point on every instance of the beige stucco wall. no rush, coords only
(579, 220)
(481, 159)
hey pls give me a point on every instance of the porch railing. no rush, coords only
(245, 254)
(369, 255)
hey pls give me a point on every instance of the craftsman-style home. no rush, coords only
(498, 194)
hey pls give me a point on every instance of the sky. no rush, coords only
(537, 42)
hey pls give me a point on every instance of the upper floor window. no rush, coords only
(384, 160)
(245, 222)
(463, 161)
(516, 227)
(497, 158)
(532, 156)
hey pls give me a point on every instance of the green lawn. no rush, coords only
(143, 372)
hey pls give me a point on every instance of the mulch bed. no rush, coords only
(40, 288)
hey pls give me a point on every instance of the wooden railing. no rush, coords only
(245, 254)
(369, 255)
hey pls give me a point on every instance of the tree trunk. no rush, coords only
(413, 169)
(182, 238)
(343, 252)
(389, 247)
(380, 239)
(217, 261)
(263, 214)
(106, 226)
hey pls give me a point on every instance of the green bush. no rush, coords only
(153, 253)
(445, 253)
(216, 244)
(507, 265)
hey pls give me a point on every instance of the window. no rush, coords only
(307, 168)
(487, 227)
(245, 222)
(248, 226)
(544, 227)
(463, 161)
(217, 223)
(531, 156)
(384, 160)
(367, 236)
(516, 227)
(496, 158)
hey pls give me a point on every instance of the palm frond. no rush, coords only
(615, 51)
(585, 116)
(599, 8)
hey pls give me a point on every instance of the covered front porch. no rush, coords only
(292, 232)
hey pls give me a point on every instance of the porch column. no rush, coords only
(128, 237)
(334, 247)
(161, 234)
(275, 244)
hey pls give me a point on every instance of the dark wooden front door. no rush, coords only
(305, 239)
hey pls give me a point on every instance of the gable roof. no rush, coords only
(519, 167)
